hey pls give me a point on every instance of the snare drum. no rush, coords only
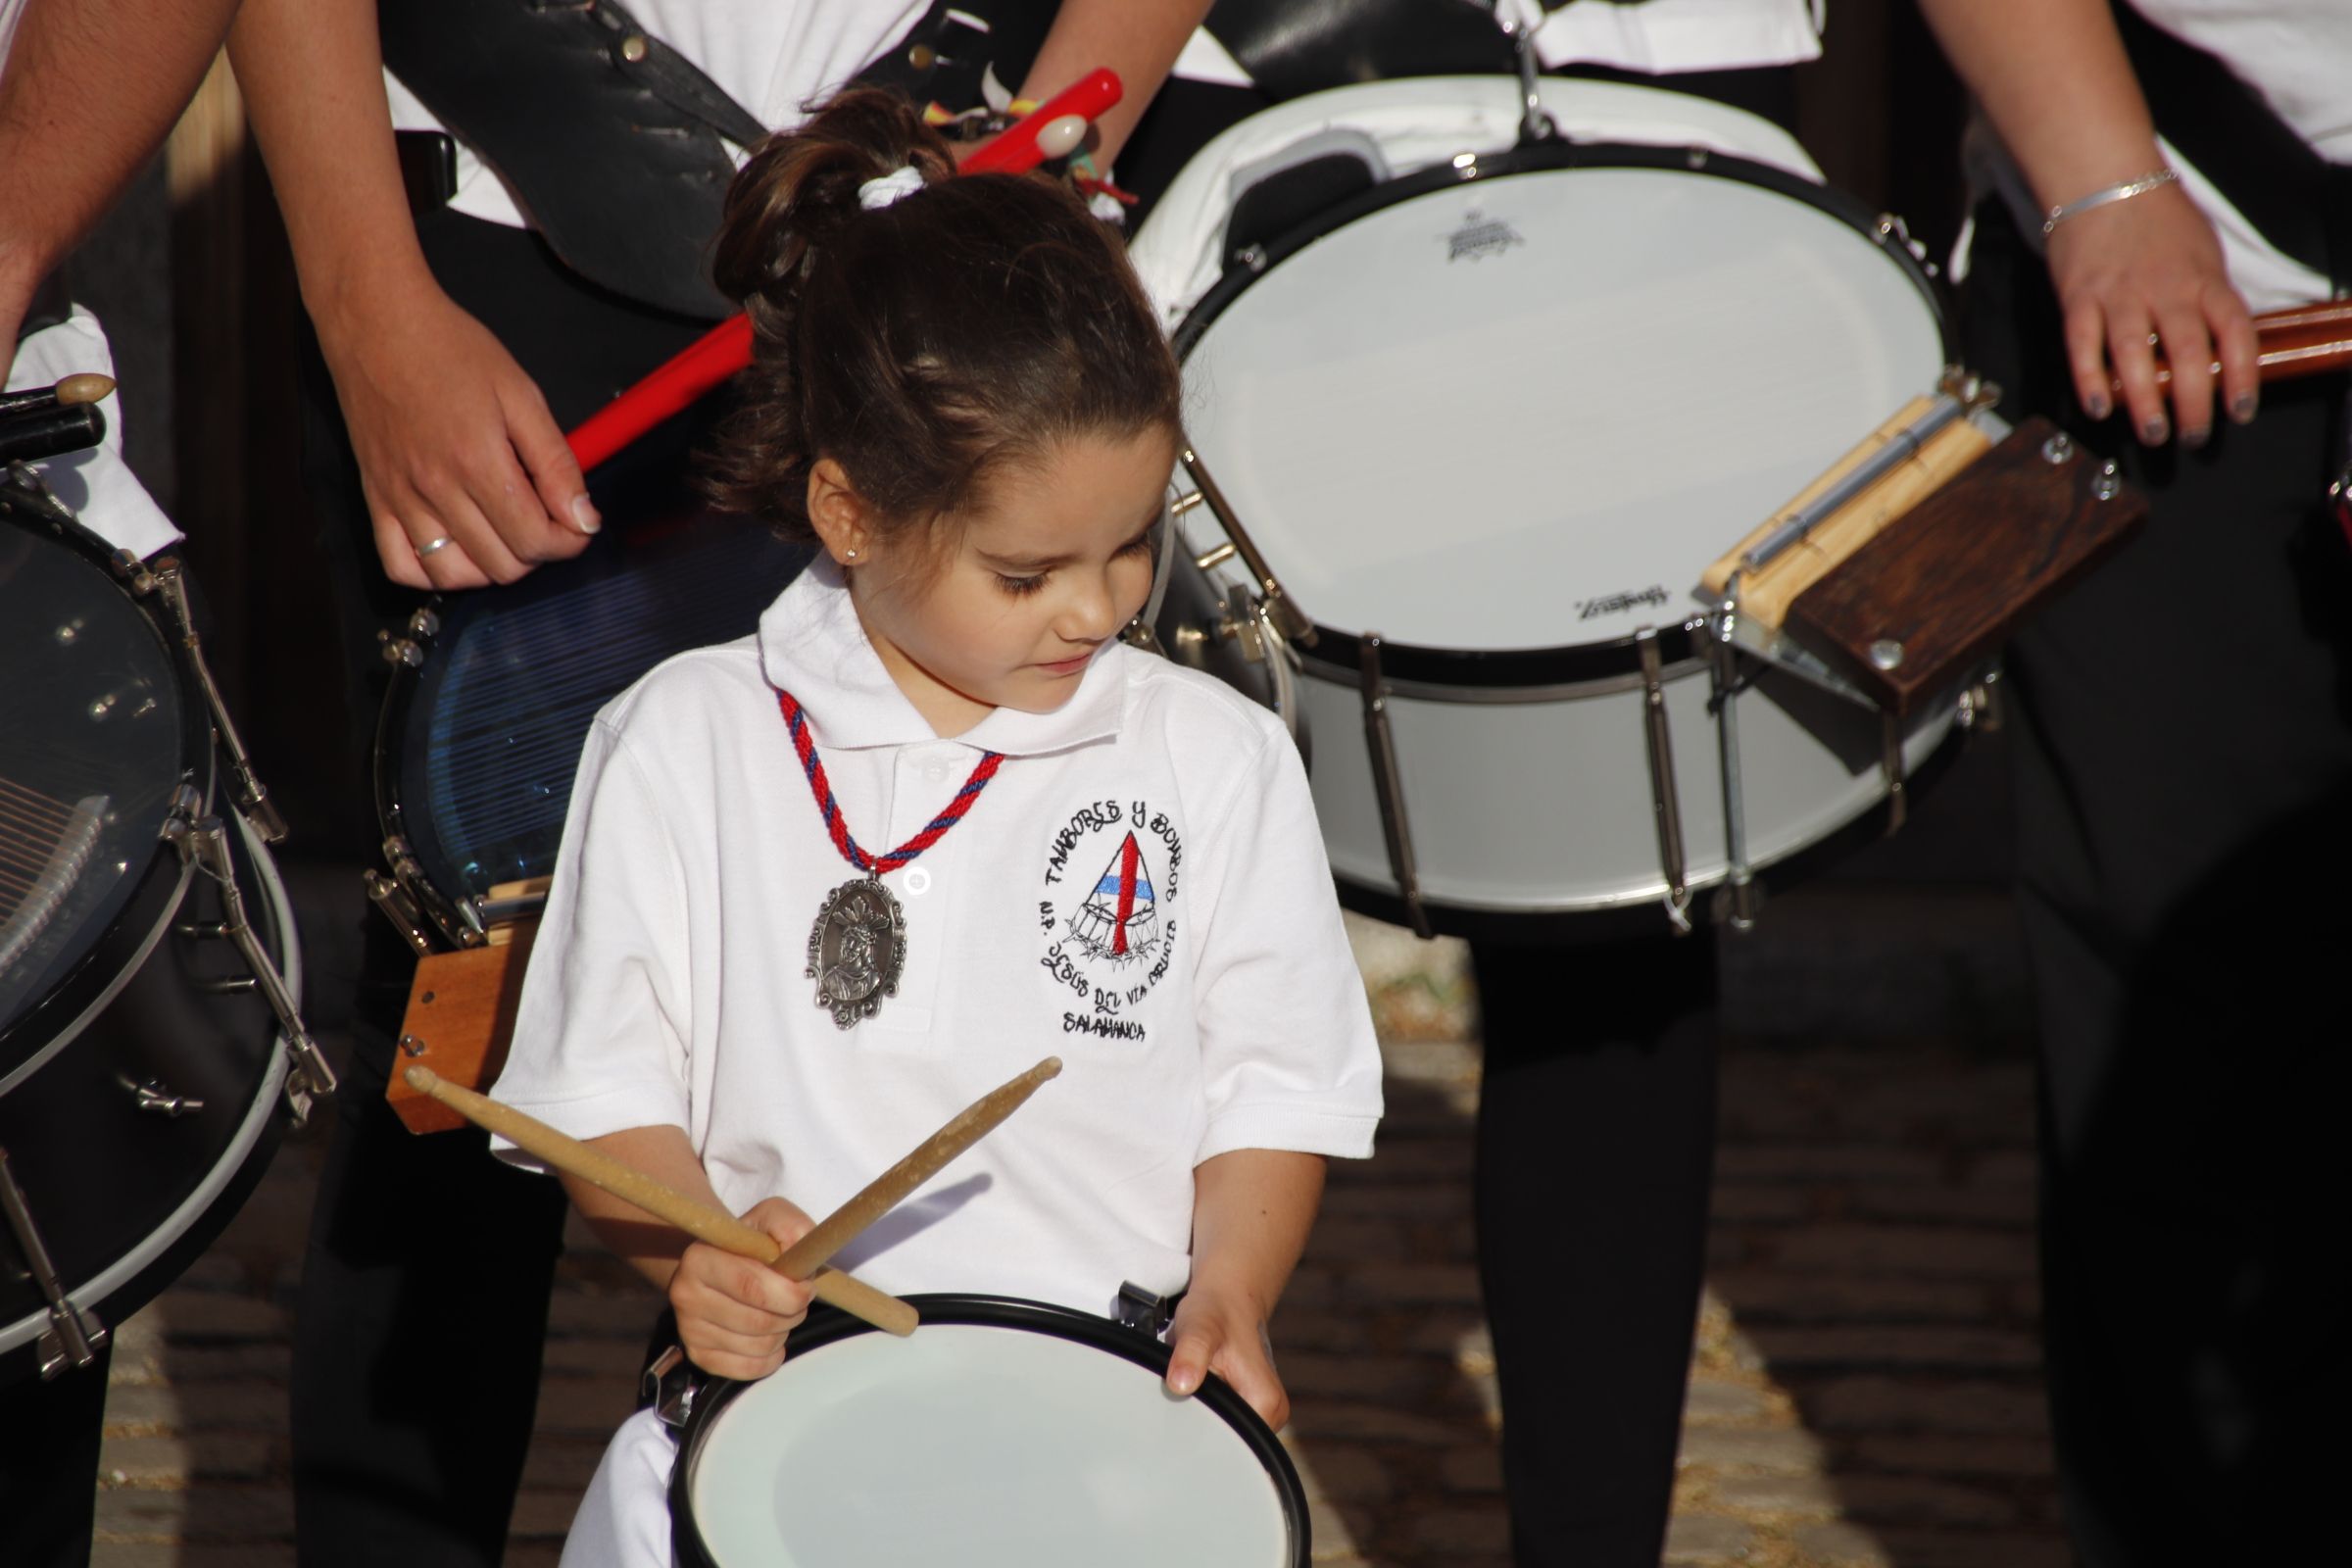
(142, 1080)
(1003, 1433)
(1485, 422)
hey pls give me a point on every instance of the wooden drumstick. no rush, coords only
(966, 1128)
(625, 1182)
(87, 386)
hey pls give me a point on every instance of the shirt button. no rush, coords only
(918, 881)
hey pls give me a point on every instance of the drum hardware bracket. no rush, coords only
(164, 581)
(1215, 556)
(156, 1098)
(1535, 126)
(2107, 483)
(399, 908)
(1981, 704)
(74, 1334)
(1665, 803)
(1742, 895)
(1891, 229)
(1284, 616)
(204, 844)
(1890, 763)
(2058, 450)
(1389, 784)
(1143, 1310)
(669, 1386)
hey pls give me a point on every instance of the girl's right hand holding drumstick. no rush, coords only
(733, 1312)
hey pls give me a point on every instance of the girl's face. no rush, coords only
(1052, 561)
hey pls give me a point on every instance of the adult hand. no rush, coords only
(454, 442)
(1227, 1335)
(733, 1313)
(2138, 273)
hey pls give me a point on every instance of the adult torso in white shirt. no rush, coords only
(773, 57)
(1665, 37)
(667, 984)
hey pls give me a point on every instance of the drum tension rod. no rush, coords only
(1741, 894)
(1285, 615)
(1388, 782)
(74, 1334)
(1665, 803)
(164, 578)
(204, 844)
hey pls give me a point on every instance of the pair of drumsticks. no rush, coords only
(804, 1259)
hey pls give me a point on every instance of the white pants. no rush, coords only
(624, 1521)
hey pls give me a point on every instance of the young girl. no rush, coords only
(823, 887)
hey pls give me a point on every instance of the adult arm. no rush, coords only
(2053, 79)
(1139, 42)
(733, 1313)
(1251, 1210)
(79, 113)
(454, 439)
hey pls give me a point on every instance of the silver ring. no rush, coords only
(430, 545)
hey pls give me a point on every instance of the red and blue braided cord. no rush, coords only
(819, 785)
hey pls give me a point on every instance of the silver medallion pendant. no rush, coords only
(857, 948)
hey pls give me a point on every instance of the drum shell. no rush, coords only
(825, 1326)
(1547, 826)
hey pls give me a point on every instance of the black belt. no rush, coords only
(2299, 202)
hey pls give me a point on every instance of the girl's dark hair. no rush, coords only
(971, 323)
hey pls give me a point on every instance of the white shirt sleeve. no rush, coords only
(1289, 1059)
(601, 1037)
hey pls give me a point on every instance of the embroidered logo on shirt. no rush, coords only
(1109, 938)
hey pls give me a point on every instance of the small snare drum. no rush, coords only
(1003, 1433)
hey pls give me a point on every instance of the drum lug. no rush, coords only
(1389, 784)
(74, 1335)
(156, 1098)
(204, 844)
(1665, 803)
(670, 1386)
(252, 798)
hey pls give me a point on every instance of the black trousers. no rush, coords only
(425, 1290)
(2183, 787)
(49, 1436)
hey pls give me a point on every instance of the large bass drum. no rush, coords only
(1485, 421)
(142, 1081)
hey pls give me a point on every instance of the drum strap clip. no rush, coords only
(74, 1334)
(1143, 1312)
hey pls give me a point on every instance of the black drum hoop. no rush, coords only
(826, 1325)
(1334, 650)
(79, 994)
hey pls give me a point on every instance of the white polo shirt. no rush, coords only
(1223, 1010)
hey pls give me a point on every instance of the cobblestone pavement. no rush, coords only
(1865, 1388)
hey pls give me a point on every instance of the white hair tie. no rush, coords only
(899, 183)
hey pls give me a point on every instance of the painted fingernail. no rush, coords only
(584, 516)
(2242, 410)
(2193, 438)
(2154, 431)
(2098, 408)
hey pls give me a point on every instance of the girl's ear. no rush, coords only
(838, 513)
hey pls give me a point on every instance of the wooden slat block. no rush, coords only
(1967, 565)
(459, 1020)
(1766, 592)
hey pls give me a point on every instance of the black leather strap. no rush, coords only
(2299, 201)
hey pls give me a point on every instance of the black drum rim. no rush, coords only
(1566, 664)
(826, 1325)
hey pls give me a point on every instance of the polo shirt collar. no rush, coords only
(813, 645)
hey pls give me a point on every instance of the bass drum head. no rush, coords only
(95, 740)
(1524, 410)
(1003, 1433)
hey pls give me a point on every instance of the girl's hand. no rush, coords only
(733, 1313)
(2148, 268)
(1227, 1335)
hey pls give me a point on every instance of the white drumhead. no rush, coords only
(983, 1446)
(1526, 412)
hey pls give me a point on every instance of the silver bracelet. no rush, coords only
(2111, 193)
